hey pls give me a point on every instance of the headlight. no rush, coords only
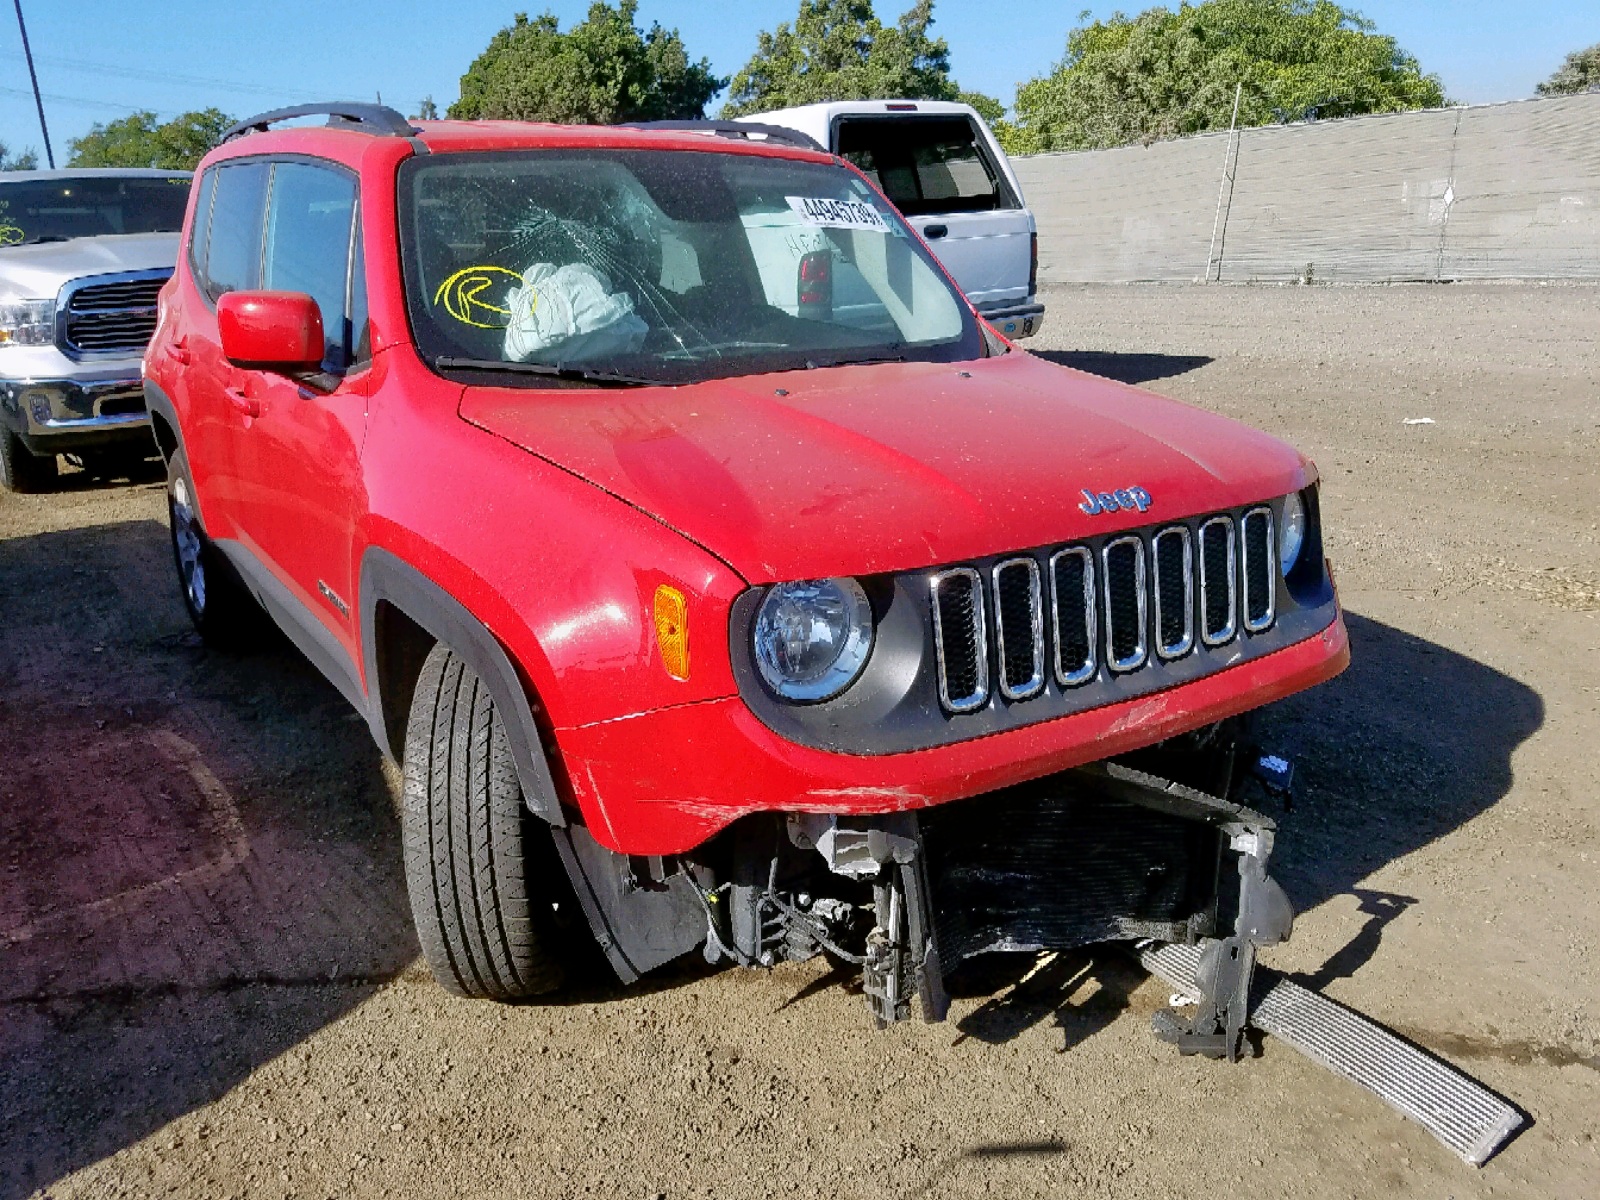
(27, 322)
(1291, 532)
(812, 638)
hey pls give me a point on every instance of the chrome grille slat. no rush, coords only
(1121, 592)
(1219, 601)
(960, 639)
(1173, 589)
(1074, 623)
(1258, 569)
(1021, 613)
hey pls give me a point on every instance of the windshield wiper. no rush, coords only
(885, 355)
(552, 370)
(47, 237)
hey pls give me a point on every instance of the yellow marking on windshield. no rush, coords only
(461, 296)
(10, 235)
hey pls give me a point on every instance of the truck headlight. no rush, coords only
(812, 638)
(27, 322)
(1291, 532)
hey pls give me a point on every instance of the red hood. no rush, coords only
(859, 470)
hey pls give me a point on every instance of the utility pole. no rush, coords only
(49, 154)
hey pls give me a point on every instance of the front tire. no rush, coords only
(223, 612)
(23, 471)
(477, 870)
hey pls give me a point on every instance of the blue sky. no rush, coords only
(99, 59)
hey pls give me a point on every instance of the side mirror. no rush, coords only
(272, 330)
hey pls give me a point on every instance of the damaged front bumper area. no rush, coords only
(1107, 852)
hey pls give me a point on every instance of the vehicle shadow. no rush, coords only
(1125, 368)
(1410, 743)
(203, 856)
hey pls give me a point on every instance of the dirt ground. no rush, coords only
(209, 984)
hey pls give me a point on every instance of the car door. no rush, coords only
(942, 174)
(301, 491)
(225, 256)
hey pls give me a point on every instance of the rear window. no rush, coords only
(926, 164)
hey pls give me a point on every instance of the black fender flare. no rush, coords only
(388, 579)
(158, 404)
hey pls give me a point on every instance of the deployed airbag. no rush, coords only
(570, 314)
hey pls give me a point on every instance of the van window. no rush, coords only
(926, 164)
(309, 219)
(233, 253)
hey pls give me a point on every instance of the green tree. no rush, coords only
(600, 72)
(1579, 73)
(839, 50)
(140, 141)
(26, 160)
(1167, 73)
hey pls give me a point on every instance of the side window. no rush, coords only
(200, 230)
(233, 247)
(310, 217)
(926, 165)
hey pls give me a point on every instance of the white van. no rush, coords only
(942, 168)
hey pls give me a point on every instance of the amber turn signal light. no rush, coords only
(672, 630)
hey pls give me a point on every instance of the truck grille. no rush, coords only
(110, 314)
(1136, 601)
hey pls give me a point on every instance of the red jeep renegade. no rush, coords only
(718, 577)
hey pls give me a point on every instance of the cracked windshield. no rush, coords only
(654, 267)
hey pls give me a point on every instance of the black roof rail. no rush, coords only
(364, 118)
(735, 129)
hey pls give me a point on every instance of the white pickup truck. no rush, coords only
(940, 165)
(83, 254)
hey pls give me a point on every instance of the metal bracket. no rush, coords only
(1265, 915)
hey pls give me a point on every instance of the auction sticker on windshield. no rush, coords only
(838, 214)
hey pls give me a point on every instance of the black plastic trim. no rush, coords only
(387, 579)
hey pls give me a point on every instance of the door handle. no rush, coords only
(242, 403)
(934, 231)
(178, 351)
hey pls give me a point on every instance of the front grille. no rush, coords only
(1073, 615)
(1123, 560)
(1258, 582)
(1167, 589)
(1218, 594)
(1019, 627)
(110, 317)
(1174, 592)
(960, 639)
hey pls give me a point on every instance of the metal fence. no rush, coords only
(1488, 192)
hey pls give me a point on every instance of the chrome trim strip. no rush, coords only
(1225, 635)
(1091, 623)
(1142, 652)
(1186, 643)
(981, 696)
(1035, 681)
(1272, 571)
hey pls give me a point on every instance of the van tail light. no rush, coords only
(1033, 264)
(816, 283)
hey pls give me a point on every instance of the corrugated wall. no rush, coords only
(1497, 191)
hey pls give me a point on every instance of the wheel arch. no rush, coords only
(403, 615)
(163, 420)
